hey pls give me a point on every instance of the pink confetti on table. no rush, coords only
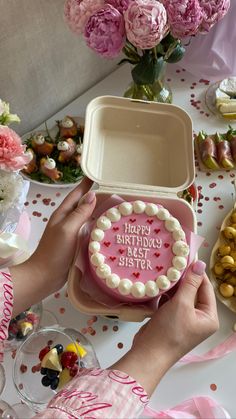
(62, 310)
(36, 214)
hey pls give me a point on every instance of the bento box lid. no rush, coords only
(137, 145)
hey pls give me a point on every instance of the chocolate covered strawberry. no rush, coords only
(68, 127)
(48, 168)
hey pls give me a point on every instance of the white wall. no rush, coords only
(43, 65)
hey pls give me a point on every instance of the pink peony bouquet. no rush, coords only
(149, 32)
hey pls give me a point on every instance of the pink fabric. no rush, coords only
(87, 283)
(6, 306)
(113, 394)
(201, 407)
(98, 394)
(219, 48)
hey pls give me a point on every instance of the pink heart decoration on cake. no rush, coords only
(159, 268)
(132, 220)
(121, 251)
(107, 244)
(157, 230)
(115, 228)
(112, 258)
(166, 245)
(157, 254)
(136, 274)
(150, 221)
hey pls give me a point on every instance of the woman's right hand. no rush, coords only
(179, 325)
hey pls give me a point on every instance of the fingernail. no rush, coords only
(89, 197)
(199, 267)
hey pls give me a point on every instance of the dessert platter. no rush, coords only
(55, 153)
(220, 98)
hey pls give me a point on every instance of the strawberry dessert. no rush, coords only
(137, 251)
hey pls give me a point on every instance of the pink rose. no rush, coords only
(120, 5)
(12, 151)
(104, 32)
(145, 23)
(213, 11)
(184, 17)
(78, 12)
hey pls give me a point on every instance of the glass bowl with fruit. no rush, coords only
(22, 326)
(47, 361)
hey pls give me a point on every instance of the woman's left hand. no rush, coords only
(47, 269)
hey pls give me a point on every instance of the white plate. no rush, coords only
(210, 98)
(52, 131)
(52, 185)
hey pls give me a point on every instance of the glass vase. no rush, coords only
(159, 91)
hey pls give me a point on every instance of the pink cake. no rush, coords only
(137, 251)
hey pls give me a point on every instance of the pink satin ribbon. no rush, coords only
(223, 349)
(200, 407)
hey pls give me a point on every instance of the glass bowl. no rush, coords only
(22, 326)
(27, 368)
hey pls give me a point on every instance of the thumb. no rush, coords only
(192, 281)
(83, 210)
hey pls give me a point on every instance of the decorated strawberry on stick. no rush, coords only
(48, 168)
(67, 127)
(67, 149)
(41, 146)
(32, 166)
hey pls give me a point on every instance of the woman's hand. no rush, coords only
(47, 269)
(175, 329)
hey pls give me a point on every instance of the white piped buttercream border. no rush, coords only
(125, 286)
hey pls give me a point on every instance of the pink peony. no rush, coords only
(184, 17)
(78, 12)
(145, 23)
(12, 151)
(213, 11)
(120, 5)
(105, 32)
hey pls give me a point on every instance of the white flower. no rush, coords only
(2, 108)
(6, 117)
(11, 185)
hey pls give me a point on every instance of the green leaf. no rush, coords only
(176, 55)
(147, 70)
(127, 60)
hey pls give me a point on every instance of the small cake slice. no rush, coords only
(137, 251)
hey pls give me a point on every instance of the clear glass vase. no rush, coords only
(159, 91)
